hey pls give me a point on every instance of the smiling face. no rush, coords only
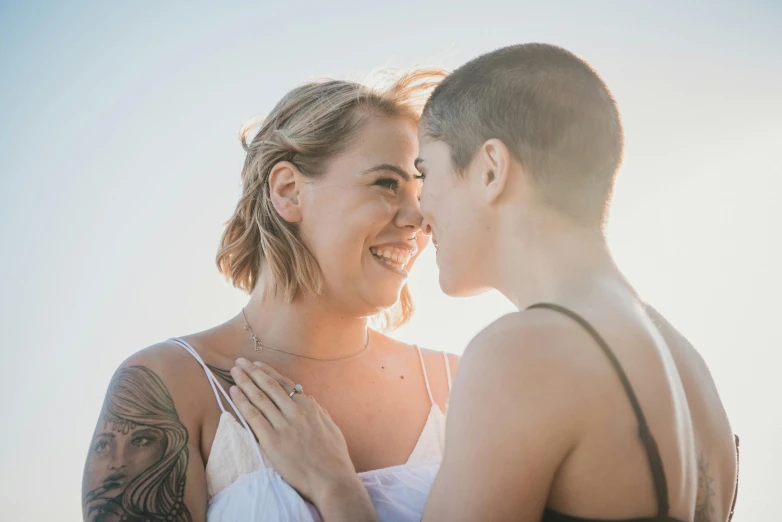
(455, 215)
(361, 218)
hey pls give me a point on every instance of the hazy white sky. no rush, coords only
(119, 162)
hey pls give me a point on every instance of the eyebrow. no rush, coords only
(392, 168)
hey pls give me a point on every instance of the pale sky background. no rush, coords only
(119, 162)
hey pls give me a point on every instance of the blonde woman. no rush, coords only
(322, 239)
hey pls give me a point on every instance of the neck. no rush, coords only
(558, 262)
(307, 326)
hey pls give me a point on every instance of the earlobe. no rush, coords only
(284, 191)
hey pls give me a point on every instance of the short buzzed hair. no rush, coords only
(553, 112)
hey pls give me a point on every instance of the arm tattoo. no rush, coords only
(704, 509)
(137, 461)
(223, 374)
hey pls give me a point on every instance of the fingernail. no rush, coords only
(259, 364)
(233, 389)
(241, 360)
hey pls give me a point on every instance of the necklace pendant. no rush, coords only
(258, 347)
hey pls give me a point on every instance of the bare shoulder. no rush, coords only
(438, 357)
(180, 373)
(522, 358)
(529, 342)
(682, 350)
(513, 402)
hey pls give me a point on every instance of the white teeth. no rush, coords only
(396, 258)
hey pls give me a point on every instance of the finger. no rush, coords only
(299, 398)
(269, 386)
(95, 493)
(99, 508)
(256, 397)
(286, 383)
(257, 421)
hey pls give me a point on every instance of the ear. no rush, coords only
(284, 185)
(496, 168)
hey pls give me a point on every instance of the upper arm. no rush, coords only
(143, 460)
(507, 432)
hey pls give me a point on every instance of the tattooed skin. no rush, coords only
(137, 461)
(223, 374)
(703, 505)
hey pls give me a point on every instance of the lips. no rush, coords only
(114, 481)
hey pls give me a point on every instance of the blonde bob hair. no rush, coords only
(310, 125)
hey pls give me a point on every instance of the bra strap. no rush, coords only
(447, 371)
(650, 444)
(426, 377)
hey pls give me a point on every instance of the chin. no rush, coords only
(383, 298)
(459, 287)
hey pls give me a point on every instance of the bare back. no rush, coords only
(715, 448)
(688, 429)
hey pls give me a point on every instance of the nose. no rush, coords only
(409, 213)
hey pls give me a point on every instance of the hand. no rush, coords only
(297, 435)
(102, 509)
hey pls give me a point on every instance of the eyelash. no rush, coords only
(391, 183)
(420, 176)
(143, 440)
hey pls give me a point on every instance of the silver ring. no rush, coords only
(296, 389)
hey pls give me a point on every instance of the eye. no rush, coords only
(100, 446)
(141, 441)
(391, 183)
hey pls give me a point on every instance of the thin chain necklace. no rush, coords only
(259, 346)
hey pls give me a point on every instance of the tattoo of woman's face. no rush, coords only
(138, 457)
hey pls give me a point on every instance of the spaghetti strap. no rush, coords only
(216, 386)
(650, 444)
(209, 375)
(447, 371)
(426, 377)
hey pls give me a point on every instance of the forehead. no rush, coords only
(385, 140)
(432, 152)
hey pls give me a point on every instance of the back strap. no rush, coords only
(216, 386)
(650, 444)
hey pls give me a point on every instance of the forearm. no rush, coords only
(347, 502)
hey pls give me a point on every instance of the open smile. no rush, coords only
(394, 258)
